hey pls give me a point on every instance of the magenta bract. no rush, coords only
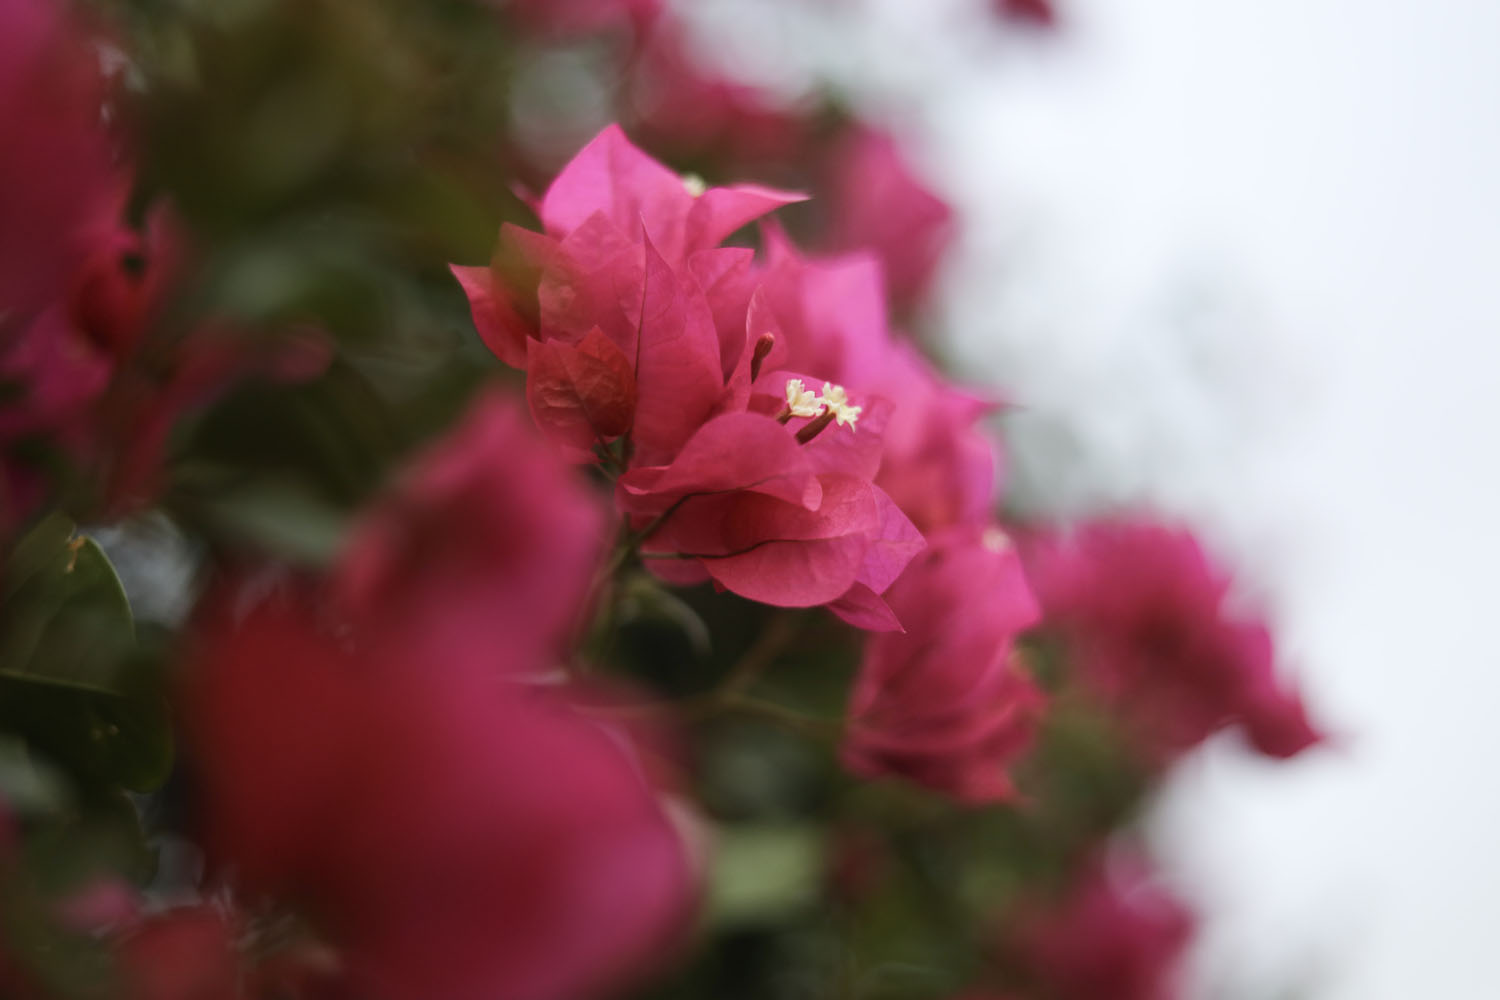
(945, 704)
(1166, 650)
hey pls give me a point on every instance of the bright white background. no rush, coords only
(1241, 259)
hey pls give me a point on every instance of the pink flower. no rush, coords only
(187, 953)
(879, 204)
(1149, 628)
(1113, 933)
(58, 179)
(943, 704)
(694, 111)
(643, 328)
(830, 314)
(646, 201)
(777, 511)
(484, 548)
(94, 385)
(453, 836)
(62, 361)
(608, 309)
(1041, 13)
(60, 192)
(939, 465)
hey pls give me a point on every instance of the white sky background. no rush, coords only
(1242, 257)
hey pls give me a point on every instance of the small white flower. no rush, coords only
(800, 401)
(837, 401)
(695, 185)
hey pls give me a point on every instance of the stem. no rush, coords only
(763, 652)
(815, 426)
(729, 695)
(634, 541)
(791, 718)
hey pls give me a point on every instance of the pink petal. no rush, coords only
(499, 325)
(580, 395)
(892, 546)
(775, 552)
(718, 212)
(736, 451)
(677, 367)
(612, 176)
(863, 608)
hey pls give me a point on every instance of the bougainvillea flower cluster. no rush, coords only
(336, 662)
(648, 332)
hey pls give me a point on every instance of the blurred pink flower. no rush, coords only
(58, 178)
(939, 465)
(483, 549)
(186, 953)
(454, 837)
(693, 110)
(63, 359)
(944, 703)
(1148, 627)
(1114, 933)
(1038, 12)
(879, 205)
(93, 382)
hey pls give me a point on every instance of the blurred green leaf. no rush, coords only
(283, 519)
(72, 682)
(66, 620)
(29, 786)
(764, 873)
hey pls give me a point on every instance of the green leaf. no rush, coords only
(66, 621)
(764, 873)
(73, 683)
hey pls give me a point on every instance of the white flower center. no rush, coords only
(837, 400)
(800, 401)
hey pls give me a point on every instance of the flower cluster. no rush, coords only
(462, 693)
(684, 367)
(655, 350)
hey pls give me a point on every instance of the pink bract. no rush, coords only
(879, 204)
(1113, 933)
(482, 550)
(944, 704)
(58, 179)
(830, 314)
(778, 521)
(1150, 629)
(452, 836)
